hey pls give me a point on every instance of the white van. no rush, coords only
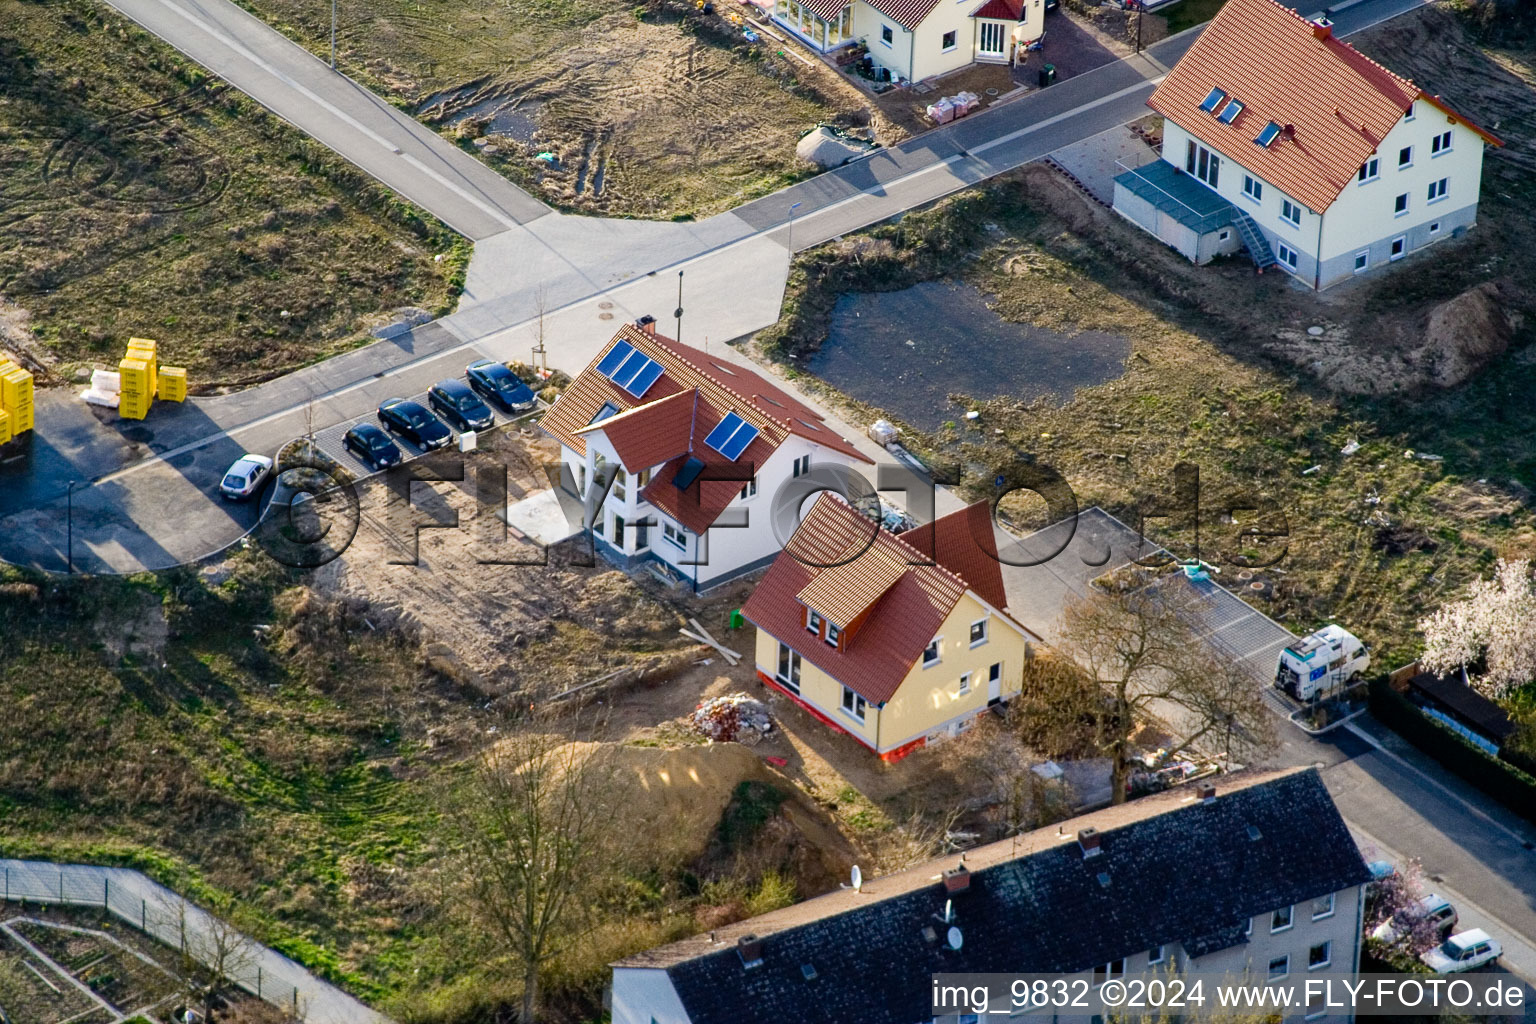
(1320, 663)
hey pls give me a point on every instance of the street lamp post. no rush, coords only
(792, 208)
(333, 35)
(69, 544)
(678, 312)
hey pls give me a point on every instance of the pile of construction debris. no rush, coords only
(733, 718)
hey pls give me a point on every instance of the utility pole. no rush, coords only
(1140, 14)
(678, 312)
(792, 208)
(333, 35)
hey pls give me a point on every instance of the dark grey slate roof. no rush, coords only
(1222, 938)
(1178, 870)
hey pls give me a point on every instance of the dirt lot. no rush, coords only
(652, 110)
(140, 197)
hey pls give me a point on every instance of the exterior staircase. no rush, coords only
(1253, 238)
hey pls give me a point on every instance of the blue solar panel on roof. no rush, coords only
(615, 356)
(723, 431)
(630, 368)
(1216, 96)
(739, 441)
(644, 379)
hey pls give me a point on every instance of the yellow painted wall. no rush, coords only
(929, 697)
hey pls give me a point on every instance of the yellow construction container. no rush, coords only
(15, 389)
(5, 427)
(7, 365)
(147, 357)
(134, 398)
(173, 383)
(146, 343)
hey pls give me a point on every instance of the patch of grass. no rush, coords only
(752, 804)
(142, 197)
(1189, 13)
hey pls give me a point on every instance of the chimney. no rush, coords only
(1208, 792)
(1289, 131)
(647, 324)
(750, 949)
(1322, 29)
(1088, 839)
(957, 879)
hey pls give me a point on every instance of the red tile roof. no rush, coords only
(907, 13)
(1287, 71)
(670, 422)
(826, 10)
(904, 600)
(965, 543)
(1002, 10)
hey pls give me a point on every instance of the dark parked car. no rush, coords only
(493, 382)
(409, 420)
(372, 445)
(454, 402)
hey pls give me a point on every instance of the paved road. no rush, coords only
(151, 907)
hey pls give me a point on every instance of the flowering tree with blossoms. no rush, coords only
(1495, 624)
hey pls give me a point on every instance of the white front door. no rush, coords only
(995, 683)
(991, 39)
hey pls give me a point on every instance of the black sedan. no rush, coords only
(409, 420)
(454, 402)
(372, 445)
(493, 382)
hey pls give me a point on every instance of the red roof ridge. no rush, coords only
(715, 380)
(633, 411)
(921, 561)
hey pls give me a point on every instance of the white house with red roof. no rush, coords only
(678, 455)
(1284, 140)
(918, 39)
(895, 640)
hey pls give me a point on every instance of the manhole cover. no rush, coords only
(1316, 332)
(605, 316)
(605, 305)
(991, 92)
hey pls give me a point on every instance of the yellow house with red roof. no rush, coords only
(1281, 139)
(678, 455)
(895, 640)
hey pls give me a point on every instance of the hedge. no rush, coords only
(1494, 776)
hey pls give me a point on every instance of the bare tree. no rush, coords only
(530, 821)
(214, 954)
(1148, 658)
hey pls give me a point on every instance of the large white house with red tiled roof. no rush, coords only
(678, 455)
(918, 39)
(894, 640)
(1284, 140)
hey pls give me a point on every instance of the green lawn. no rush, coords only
(1189, 13)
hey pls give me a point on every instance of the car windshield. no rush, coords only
(234, 480)
(379, 443)
(1455, 950)
(462, 402)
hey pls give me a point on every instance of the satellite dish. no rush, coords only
(857, 879)
(956, 940)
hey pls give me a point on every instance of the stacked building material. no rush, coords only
(15, 398)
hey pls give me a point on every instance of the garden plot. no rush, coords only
(54, 973)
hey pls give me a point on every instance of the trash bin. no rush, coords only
(1047, 75)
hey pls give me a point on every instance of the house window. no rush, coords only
(619, 480)
(1400, 205)
(1362, 260)
(1322, 907)
(886, 35)
(644, 479)
(1286, 255)
(1320, 955)
(1155, 955)
(978, 632)
(1113, 969)
(1399, 247)
(1281, 919)
(750, 490)
(853, 704)
(789, 669)
(1253, 188)
(949, 42)
(1290, 213)
(1224, 235)
(802, 466)
(833, 634)
(1405, 157)
(931, 652)
(1369, 171)
(965, 684)
(1280, 966)
(1439, 189)
(599, 525)
(812, 622)
(1440, 144)
(991, 37)
(674, 534)
(1409, 113)
(1434, 228)
(1203, 164)
(1317, 1006)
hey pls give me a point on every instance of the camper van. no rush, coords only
(1321, 663)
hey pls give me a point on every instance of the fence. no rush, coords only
(164, 915)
